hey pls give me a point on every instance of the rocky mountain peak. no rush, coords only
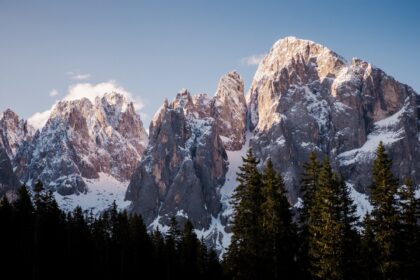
(304, 97)
(13, 132)
(8, 180)
(82, 139)
(290, 62)
(182, 100)
(230, 110)
(184, 165)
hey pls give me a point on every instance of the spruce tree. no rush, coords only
(308, 187)
(172, 245)
(245, 254)
(409, 250)
(277, 228)
(351, 239)
(370, 251)
(325, 228)
(384, 214)
(25, 232)
(189, 249)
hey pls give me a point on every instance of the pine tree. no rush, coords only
(202, 259)
(409, 230)
(351, 239)
(159, 255)
(370, 251)
(325, 228)
(172, 244)
(245, 254)
(308, 187)
(277, 228)
(140, 245)
(189, 249)
(25, 232)
(385, 216)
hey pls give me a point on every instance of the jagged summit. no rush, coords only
(185, 163)
(14, 131)
(305, 97)
(83, 139)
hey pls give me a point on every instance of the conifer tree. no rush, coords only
(370, 252)
(325, 228)
(245, 254)
(173, 239)
(384, 214)
(277, 228)
(189, 249)
(409, 230)
(25, 232)
(351, 239)
(308, 187)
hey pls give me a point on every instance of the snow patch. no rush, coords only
(100, 195)
(384, 131)
(361, 200)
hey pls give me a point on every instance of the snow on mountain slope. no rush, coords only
(314, 100)
(385, 130)
(218, 232)
(235, 160)
(87, 149)
(100, 194)
(362, 202)
(14, 132)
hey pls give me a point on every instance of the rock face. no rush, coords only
(13, 132)
(8, 180)
(185, 164)
(182, 168)
(305, 97)
(230, 111)
(82, 139)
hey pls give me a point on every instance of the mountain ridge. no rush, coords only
(304, 97)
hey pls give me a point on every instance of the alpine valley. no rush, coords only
(304, 97)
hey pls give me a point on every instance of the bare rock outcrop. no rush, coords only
(81, 139)
(229, 111)
(305, 97)
(14, 132)
(183, 165)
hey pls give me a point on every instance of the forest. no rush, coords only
(323, 239)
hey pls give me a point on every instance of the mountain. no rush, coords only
(14, 132)
(305, 97)
(8, 180)
(85, 143)
(184, 166)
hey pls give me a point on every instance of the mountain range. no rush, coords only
(304, 97)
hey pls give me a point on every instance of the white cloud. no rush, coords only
(38, 120)
(254, 59)
(54, 92)
(78, 76)
(89, 91)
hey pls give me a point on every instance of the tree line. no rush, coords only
(40, 241)
(324, 239)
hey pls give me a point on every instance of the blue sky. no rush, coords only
(154, 48)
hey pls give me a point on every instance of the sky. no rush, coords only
(152, 49)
